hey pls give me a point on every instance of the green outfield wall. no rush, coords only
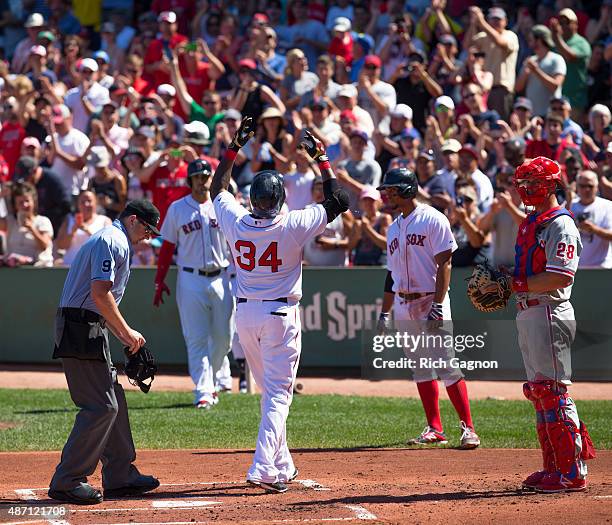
(336, 305)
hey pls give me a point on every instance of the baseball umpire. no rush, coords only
(203, 293)
(267, 249)
(547, 251)
(88, 306)
(420, 244)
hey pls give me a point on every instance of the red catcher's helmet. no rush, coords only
(536, 179)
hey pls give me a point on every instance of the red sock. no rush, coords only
(458, 395)
(428, 390)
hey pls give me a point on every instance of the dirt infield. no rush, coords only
(350, 486)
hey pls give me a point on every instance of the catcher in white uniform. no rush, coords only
(267, 250)
(419, 248)
(203, 293)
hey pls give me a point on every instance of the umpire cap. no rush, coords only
(267, 194)
(145, 211)
(402, 179)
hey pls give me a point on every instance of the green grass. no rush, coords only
(168, 420)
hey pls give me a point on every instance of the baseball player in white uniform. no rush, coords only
(203, 293)
(267, 250)
(419, 248)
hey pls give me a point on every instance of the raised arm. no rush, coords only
(223, 173)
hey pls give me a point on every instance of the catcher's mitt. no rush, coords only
(139, 367)
(488, 288)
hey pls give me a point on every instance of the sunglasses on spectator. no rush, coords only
(370, 66)
(589, 186)
(478, 54)
(556, 108)
(131, 70)
(147, 228)
(208, 102)
(442, 109)
(469, 95)
(87, 72)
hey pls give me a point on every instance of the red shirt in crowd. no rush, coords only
(154, 54)
(342, 47)
(197, 83)
(184, 10)
(168, 186)
(11, 137)
(541, 148)
(142, 86)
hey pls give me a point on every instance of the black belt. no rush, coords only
(81, 314)
(203, 273)
(279, 300)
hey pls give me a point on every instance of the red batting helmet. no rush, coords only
(536, 179)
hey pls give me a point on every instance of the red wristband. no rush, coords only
(230, 154)
(519, 284)
(324, 165)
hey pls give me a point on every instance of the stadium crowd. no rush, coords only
(103, 102)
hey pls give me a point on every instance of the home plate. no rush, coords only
(183, 504)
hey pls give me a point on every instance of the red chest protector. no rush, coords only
(530, 258)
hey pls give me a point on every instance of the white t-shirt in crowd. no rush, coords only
(315, 255)
(97, 95)
(74, 143)
(596, 252)
(299, 189)
(385, 92)
(484, 189)
(81, 236)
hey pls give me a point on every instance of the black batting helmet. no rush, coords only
(267, 194)
(402, 179)
(198, 167)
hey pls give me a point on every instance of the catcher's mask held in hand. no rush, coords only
(139, 367)
(536, 179)
(488, 288)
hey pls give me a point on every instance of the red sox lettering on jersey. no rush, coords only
(426, 233)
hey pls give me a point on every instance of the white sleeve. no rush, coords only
(441, 237)
(81, 144)
(168, 229)
(228, 211)
(305, 224)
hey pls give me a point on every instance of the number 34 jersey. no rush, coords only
(268, 252)
(549, 242)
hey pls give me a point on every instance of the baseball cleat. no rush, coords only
(429, 436)
(554, 482)
(206, 404)
(243, 386)
(469, 438)
(278, 487)
(532, 481)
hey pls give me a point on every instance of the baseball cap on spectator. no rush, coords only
(167, 16)
(132, 151)
(166, 89)
(372, 60)
(569, 14)
(401, 111)
(497, 12)
(417, 55)
(108, 27)
(24, 168)
(99, 157)
(60, 113)
(101, 55)
(31, 142)
(543, 33)
(564, 100)
(342, 24)
(271, 113)
(320, 103)
(196, 132)
(34, 20)
(247, 63)
(347, 90)
(523, 103)
(448, 39)
(370, 192)
(112, 103)
(515, 145)
(361, 134)
(444, 101)
(148, 16)
(409, 133)
(365, 41)
(146, 131)
(261, 18)
(88, 63)
(232, 114)
(145, 211)
(46, 35)
(426, 154)
(38, 50)
(348, 114)
(451, 145)
(470, 149)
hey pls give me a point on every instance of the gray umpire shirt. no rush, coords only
(106, 256)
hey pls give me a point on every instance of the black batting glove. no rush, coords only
(313, 146)
(244, 133)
